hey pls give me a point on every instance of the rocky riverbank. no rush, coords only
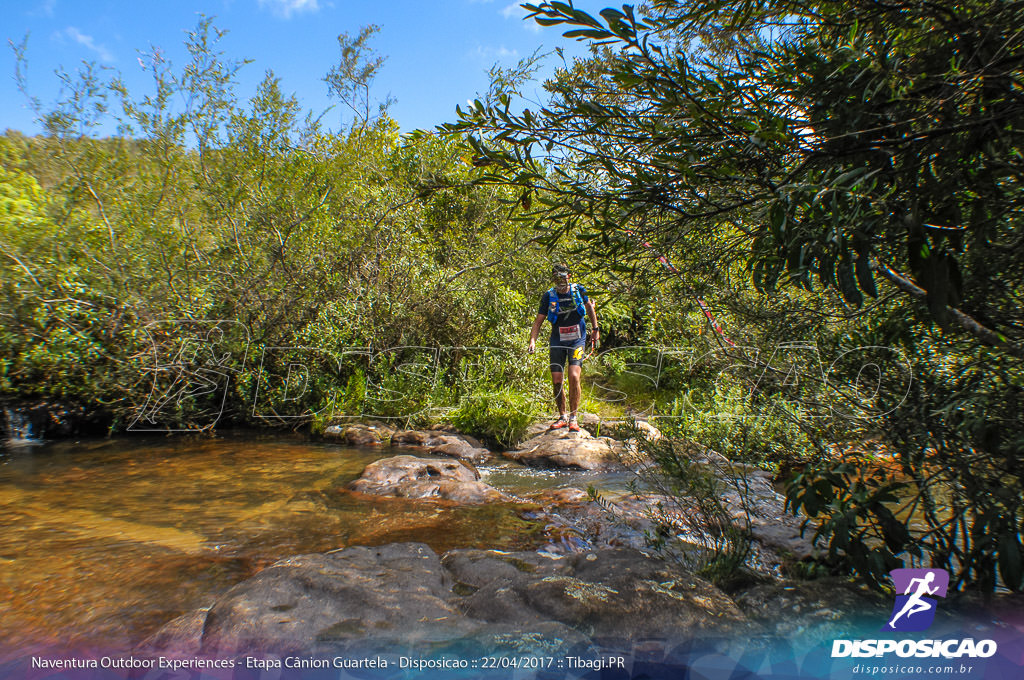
(405, 597)
(594, 586)
(405, 594)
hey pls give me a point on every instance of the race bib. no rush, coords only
(568, 333)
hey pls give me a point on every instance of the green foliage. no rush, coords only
(854, 504)
(501, 416)
(740, 429)
(831, 151)
(350, 80)
(120, 254)
(818, 149)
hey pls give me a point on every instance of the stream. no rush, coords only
(103, 542)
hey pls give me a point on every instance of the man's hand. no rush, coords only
(532, 347)
(593, 337)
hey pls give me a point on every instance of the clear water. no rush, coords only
(101, 543)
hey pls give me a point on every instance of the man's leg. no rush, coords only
(556, 383)
(575, 371)
(559, 357)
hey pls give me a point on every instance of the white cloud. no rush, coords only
(46, 8)
(286, 8)
(89, 43)
(491, 54)
(515, 11)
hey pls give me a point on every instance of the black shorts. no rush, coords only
(563, 355)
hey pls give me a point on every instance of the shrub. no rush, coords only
(499, 417)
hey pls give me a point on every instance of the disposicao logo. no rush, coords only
(914, 610)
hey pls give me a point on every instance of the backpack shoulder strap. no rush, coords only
(577, 299)
(552, 305)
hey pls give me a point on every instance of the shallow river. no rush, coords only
(103, 542)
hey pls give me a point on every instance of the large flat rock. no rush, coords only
(428, 478)
(308, 601)
(404, 595)
(606, 593)
(571, 450)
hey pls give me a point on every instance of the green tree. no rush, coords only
(121, 253)
(822, 146)
(352, 77)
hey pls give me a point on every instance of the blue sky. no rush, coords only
(438, 52)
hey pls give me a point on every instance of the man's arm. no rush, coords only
(534, 332)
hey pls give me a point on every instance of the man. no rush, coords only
(567, 307)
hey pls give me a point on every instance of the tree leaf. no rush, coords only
(847, 283)
(865, 277)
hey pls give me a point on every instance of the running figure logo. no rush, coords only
(913, 610)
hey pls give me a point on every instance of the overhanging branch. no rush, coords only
(968, 323)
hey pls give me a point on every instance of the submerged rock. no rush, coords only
(573, 450)
(747, 496)
(182, 637)
(749, 501)
(557, 497)
(412, 477)
(443, 443)
(578, 525)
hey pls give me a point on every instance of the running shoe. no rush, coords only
(573, 425)
(558, 424)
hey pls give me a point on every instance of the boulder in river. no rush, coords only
(631, 429)
(573, 450)
(360, 434)
(303, 602)
(448, 428)
(442, 443)
(412, 477)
